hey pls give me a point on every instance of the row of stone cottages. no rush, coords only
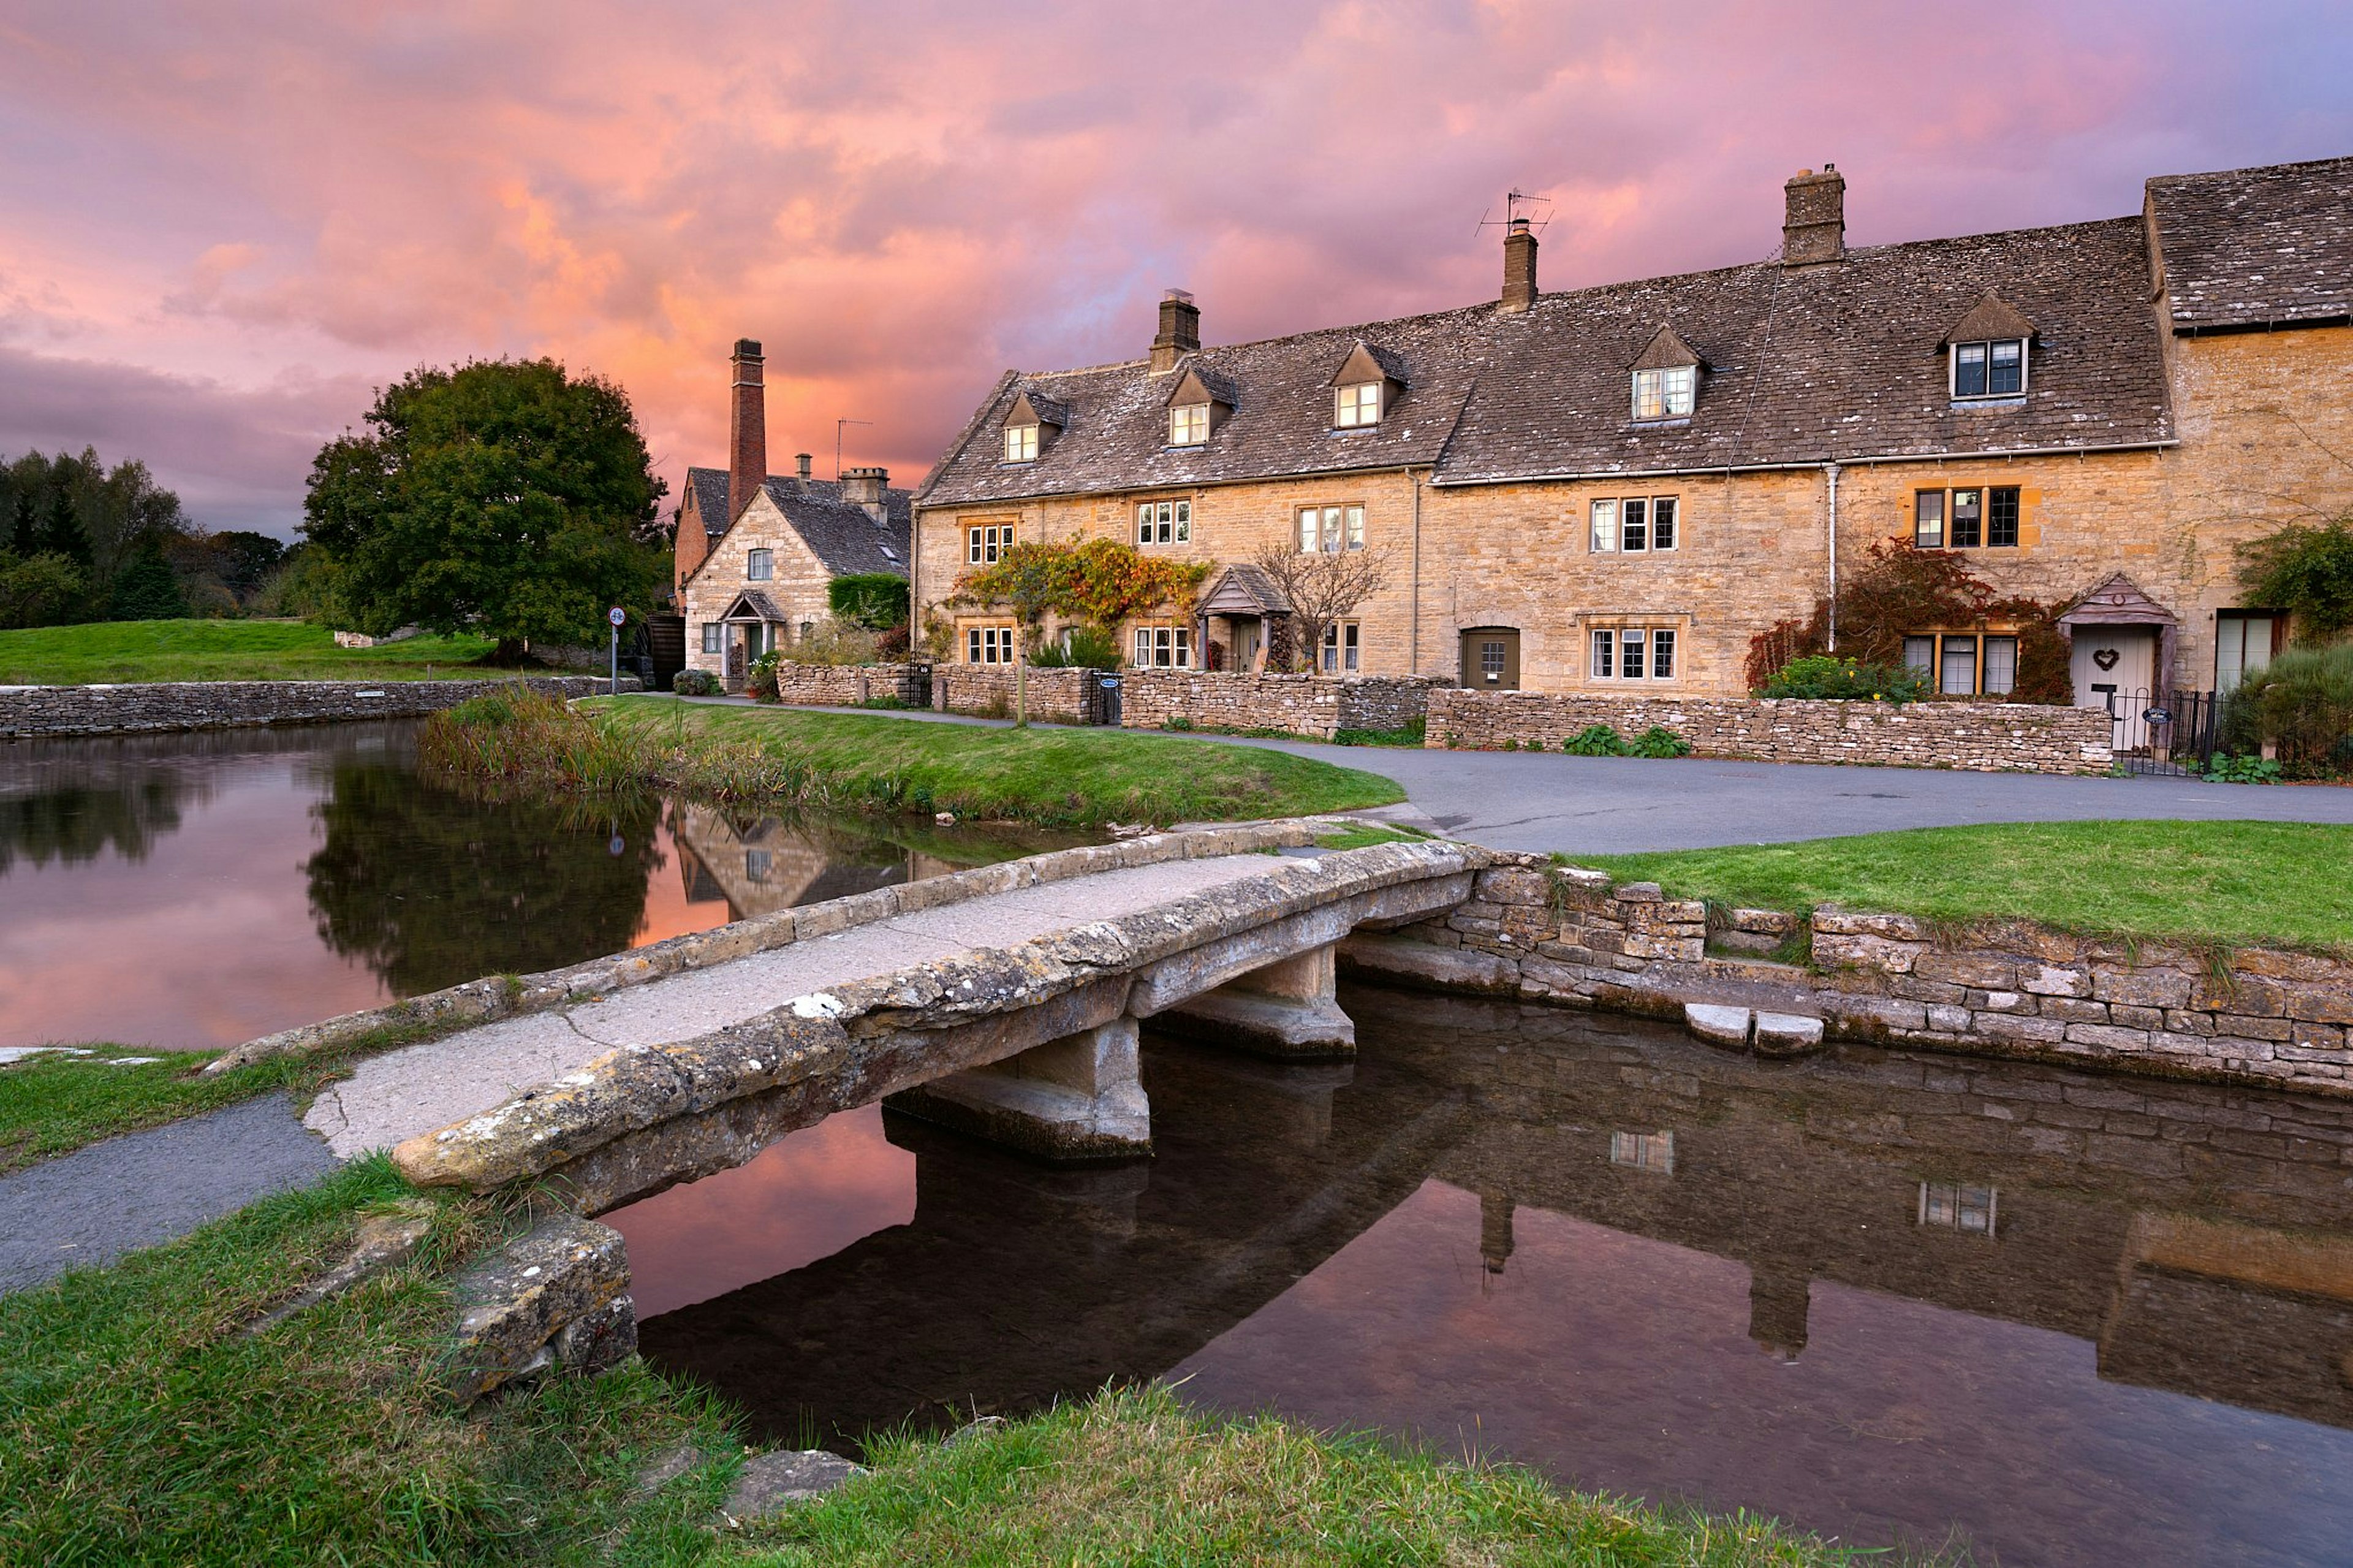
(1612, 490)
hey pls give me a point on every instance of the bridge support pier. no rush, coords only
(1074, 1099)
(1284, 1010)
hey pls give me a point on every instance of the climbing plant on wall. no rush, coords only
(1099, 581)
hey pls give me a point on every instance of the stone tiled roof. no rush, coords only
(839, 533)
(2255, 248)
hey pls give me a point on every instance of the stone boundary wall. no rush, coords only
(27, 711)
(486, 1001)
(1296, 704)
(2252, 1016)
(1055, 696)
(1977, 737)
(838, 685)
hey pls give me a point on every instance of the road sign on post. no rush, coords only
(617, 616)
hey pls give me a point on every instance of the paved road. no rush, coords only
(1600, 805)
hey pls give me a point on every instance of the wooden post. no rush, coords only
(1020, 678)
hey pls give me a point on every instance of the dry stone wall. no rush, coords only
(1977, 737)
(840, 684)
(1055, 696)
(27, 711)
(1295, 704)
(2253, 1015)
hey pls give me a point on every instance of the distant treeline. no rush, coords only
(81, 542)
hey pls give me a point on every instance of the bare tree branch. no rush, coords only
(1322, 587)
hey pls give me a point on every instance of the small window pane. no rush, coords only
(1960, 667)
(1307, 516)
(1184, 521)
(1650, 398)
(1920, 654)
(1629, 654)
(1605, 526)
(2001, 665)
(1605, 655)
(1662, 654)
(2001, 516)
(1966, 517)
(1349, 646)
(1355, 528)
(1679, 383)
(1662, 523)
(1332, 648)
(1636, 530)
(1929, 520)
(1969, 370)
(2008, 372)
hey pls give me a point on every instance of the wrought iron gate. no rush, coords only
(2169, 733)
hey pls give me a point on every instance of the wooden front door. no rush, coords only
(2115, 669)
(1491, 659)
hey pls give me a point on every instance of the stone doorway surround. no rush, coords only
(2119, 605)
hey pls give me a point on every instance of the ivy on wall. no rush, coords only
(1099, 581)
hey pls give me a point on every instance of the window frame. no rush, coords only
(1192, 415)
(1342, 649)
(1985, 369)
(1022, 444)
(1617, 535)
(1161, 644)
(1671, 384)
(1350, 528)
(985, 543)
(989, 644)
(1980, 656)
(760, 564)
(1648, 651)
(1170, 519)
(1348, 406)
(714, 636)
(1999, 510)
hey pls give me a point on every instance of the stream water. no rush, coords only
(2041, 1315)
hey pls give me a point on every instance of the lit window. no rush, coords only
(1357, 405)
(1665, 394)
(1970, 1210)
(1635, 524)
(1332, 528)
(1605, 527)
(1021, 443)
(1341, 646)
(1189, 424)
(1996, 369)
(985, 544)
(1653, 1152)
(989, 645)
(1163, 648)
(1164, 522)
(713, 632)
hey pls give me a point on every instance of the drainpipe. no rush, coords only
(1830, 471)
(1413, 611)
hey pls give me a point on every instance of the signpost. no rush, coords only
(617, 616)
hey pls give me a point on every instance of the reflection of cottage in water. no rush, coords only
(760, 864)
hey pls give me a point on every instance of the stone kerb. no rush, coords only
(2253, 1015)
(489, 1000)
(1980, 737)
(640, 1116)
(1295, 704)
(27, 711)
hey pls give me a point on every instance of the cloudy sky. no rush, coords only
(221, 225)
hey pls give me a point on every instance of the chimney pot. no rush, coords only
(1181, 331)
(1519, 268)
(747, 446)
(801, 467)
(865, 486)
(1813, 226)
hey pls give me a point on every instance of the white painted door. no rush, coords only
(2115, 669)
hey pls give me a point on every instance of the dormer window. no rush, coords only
(1189, 424)
(1996, 368)
(1356, 406)
(1021, 443)
(1198, 405)
(1031, 423)
(1667, 392)
(1365, 386)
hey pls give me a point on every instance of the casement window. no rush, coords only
(1189, 424)
(1635, 524)
(985, 543)
(989, 645)
(1650, 1151)
(1331, 528)
(1342, 648)
(1995, 369)
(1355, 406)
(1633, 653)
(1965, 664)
(759, 565)
(1021, 443)
(1972, 1211)
(714, 636)
(1164, 522)
(757, 863)
(1163, 648)
(1965, 519)
(1665, 394)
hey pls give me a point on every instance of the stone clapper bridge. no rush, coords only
(1002, 1002)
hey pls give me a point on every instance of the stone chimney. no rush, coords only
(801, 467)
(1519, 267)
(864, 487)
(747, 446)
(1181, 331)
(1815, 227)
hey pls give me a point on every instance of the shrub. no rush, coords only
(37, 590)
(2224, 768)
(875, 601)
(2307, 572)
(1595, 740)
(2303, 703)
(1079, 647)
(1821, 676)
(696, 683)
(1658, 740)
(835, 641)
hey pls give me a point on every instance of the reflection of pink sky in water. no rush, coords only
(210, 939)
(805, 1197)
(1622, 1363)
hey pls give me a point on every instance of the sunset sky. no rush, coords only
(222, 225)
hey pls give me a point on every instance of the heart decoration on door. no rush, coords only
(2106, 658)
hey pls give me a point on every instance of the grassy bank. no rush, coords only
(140, 1423)
(133, 652)
(1052, 777)
(50, 1105)
(2243, 883)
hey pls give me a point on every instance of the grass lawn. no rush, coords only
(140, 1423)
(2216, 882)
(131, 652)
(1049, 776)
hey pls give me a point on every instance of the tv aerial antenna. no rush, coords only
(837, 427)
(1519, 208)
